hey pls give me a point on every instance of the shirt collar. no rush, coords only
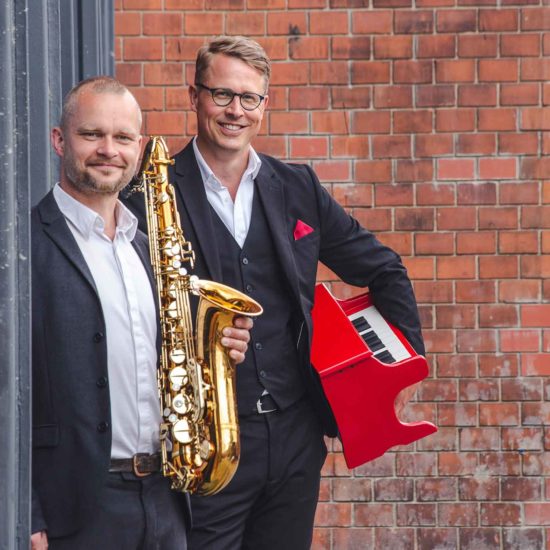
(210, 179)
(85, 220)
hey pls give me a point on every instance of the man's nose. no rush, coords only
(106, 147)
(235, 106)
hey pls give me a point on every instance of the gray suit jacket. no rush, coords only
(71, 405)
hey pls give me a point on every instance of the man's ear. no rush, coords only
(57, 141)
(193, 97)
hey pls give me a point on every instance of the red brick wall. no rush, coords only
(430, 123)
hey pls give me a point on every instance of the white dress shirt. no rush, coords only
(128, 306)
(235, 215)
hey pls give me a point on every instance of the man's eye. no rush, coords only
(124, 138)
(222, 94)
(250, 98)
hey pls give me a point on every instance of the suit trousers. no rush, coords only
(132, 514)
(270, 502)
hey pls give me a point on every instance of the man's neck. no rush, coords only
(102, 204)
(228, 168)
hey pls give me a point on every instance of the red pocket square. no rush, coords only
(301, 230)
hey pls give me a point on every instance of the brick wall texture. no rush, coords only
(429, 120)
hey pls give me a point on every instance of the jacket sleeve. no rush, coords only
(360, 259)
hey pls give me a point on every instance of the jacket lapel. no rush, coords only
(270, 190)
(56, 228)
(192, 200)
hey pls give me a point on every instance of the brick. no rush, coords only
(535, 217)
(497, 119)
(355, 490)
(413, 22)
(141, 49)
(276, 47)
(392, 3)
(484, 45)
(416, 514)
(171, 123)
(534, 19)
(479, 439)
(248, 23)
(497, 168)
(350, 146)
(535, 315)
(432, 145)
(518, 45)
(412, 72)
(531, 168)
(503, 217)
(142, 4)
(288, 123)
(392, 47)
(457, 514)
(308, 98)
(373, 171)
(526, 439)
(291, 23)
(334, 122)
(456, 21)
(535, 414)
(518, 143)
(415, 464)
(450, 366)
(355, 47)
(370, 72)
(149, 99)
(182, 49)
(396, 539)
(369, 122)
(332, 171)
(417, 171)
(521, 389)
(436, 489)
(414, 219)
(129, 73)
(353, 539)
(457, 414)
(504, 267)
(475, 291)
(455, 218)
(500, 514)
(433, 291)
(477, 95)
(435, 46)
(163, 24)
(474, 243)
(399, 242)
(440, 341)
(455, 120)
(501, 463)
(498, 414)
(476, 144)
(498, 70)
(330, 22)
(535, 69)
(127, 24)
(476, 538)
(518, 242)
(478, 489)
(391, 97)
(535, 119)
(393, 490)
(476, 341)
(457, 464)
(357, 97)
(519, 291)
(271, 145)
(519, 94)
(375, 514)
(393, 195)
(203, 23)
(498, 20)
(523, 538)
(372, 22)
(308, 147)
(333, 514)
(333, 72)
(308, 47)
(455, 169)
(462, 70)
(439, 95)
(519, 192)
(535, 266)
(391, 146)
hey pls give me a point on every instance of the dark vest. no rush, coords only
(271, 361)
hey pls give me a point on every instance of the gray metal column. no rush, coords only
(46, 46)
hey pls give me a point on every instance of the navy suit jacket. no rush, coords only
(71, 405)
(292, 192)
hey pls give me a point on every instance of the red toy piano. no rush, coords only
(364, 362)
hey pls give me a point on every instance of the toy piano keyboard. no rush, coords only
(363, 363)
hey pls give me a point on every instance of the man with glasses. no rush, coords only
(261, 226)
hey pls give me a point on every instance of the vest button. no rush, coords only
(263, 374)
(249, 288)
(101, 382)
(102, 427)
(245, 261)
(257, 345)
(98, 336)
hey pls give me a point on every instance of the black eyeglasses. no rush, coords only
(222, 97)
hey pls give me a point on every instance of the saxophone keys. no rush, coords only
(178, 377)
(182, 432)
(177, 356)
(179, 404)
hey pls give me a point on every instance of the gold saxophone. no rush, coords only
(199, 432)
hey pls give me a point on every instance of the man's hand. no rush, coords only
(237, 337)
(39, 541)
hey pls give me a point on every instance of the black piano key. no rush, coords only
(385, 356)
(372, 341)
(360, 324)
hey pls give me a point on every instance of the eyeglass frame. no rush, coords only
(233, 94)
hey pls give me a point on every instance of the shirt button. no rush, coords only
(101, 382)
(245, 261)
(102, 427)
(98, 336)
(258, 345)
